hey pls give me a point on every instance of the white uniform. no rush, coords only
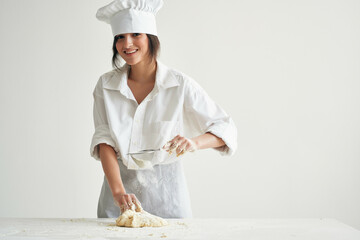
(176, 105)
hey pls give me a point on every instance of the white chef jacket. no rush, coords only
(176, 105)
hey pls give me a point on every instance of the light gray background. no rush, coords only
(286, 71)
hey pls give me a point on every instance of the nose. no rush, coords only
(128, 41)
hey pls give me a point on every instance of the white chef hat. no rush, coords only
(130, 16)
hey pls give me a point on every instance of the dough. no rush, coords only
(139, 218)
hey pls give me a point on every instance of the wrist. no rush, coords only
(118, 192)
(196, 142)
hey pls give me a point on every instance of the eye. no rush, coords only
(117, 37)
(136, 34)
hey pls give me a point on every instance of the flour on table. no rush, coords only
(139, 218)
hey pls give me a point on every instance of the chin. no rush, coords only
(133, 62)
(130, 62)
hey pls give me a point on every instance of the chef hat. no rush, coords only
(130, 16)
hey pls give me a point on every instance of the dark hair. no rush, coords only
(154, 48)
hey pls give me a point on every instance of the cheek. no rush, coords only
(145, 46)
(143, 42)
(118, 48)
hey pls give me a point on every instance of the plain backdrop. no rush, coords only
(288, 72)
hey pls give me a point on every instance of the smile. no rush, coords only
(130, 52)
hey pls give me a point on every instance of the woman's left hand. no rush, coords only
(181, 144)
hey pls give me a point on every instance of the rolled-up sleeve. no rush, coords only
(102, 130)
(207, 116)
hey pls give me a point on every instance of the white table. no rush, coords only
(277, 229)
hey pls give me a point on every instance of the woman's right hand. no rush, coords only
(126, 201)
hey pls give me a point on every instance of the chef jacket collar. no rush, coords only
(164, 79)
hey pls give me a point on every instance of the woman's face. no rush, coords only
(133, 47)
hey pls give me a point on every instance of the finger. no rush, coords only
(170, 144)
(173, 147)
(181, 147)
(190, 146)
(128, 200)
(123, 205)
(181, 141)
(183, 151)
(137, 204)
(133, 199)
(166, 146)
(122, 209)
(175, 142)
(176, 149)
(121, 201)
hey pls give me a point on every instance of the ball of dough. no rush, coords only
(136, 219)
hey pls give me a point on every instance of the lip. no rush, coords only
(130, 54)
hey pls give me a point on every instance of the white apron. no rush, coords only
(161, 191)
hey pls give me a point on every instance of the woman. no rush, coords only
(146, 105)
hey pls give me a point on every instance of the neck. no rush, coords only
(143, 72)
